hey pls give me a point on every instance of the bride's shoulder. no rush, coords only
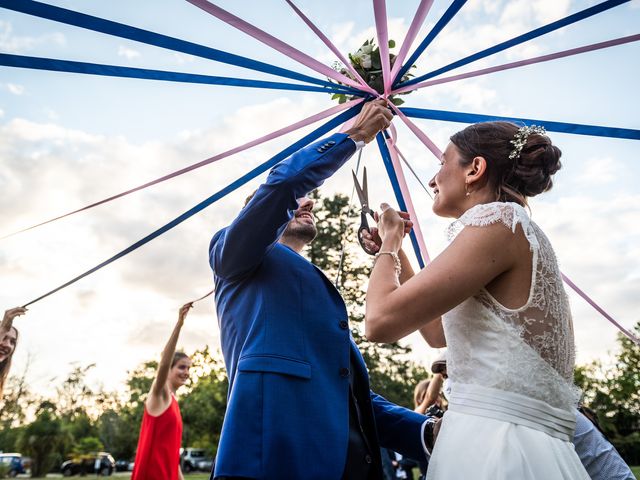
(485, 214)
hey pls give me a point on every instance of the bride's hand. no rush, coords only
(392, 227)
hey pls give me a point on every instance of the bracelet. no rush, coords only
(396, 261)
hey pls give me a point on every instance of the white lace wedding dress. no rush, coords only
(512, 405)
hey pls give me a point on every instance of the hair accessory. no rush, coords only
(520, 138)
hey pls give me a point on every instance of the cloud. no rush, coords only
(20, 44)
(128, 53)
(598, 171)
(15, 89)
(182, 58)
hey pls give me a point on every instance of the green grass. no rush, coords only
(191, 476)
(636, 472)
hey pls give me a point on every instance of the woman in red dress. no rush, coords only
(158, 454)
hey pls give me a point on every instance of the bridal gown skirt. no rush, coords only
(491, 434)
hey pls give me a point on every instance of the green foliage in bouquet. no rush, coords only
(366, 61)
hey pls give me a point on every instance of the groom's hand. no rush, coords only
(374, 117)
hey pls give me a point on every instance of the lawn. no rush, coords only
(118, 476)
(205, 476)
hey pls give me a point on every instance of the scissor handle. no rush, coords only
(364, 226)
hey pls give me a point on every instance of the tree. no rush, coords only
(337, 252)
(614, 393)
(16, 403)
(87, 445)
(204, 406)
(119, 425)
(43, 438)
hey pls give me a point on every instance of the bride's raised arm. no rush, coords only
(476, 257)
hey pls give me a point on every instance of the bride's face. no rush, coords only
(449, 185)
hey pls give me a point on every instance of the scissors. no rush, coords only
(363, 195)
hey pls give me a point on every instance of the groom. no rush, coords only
(299, 404)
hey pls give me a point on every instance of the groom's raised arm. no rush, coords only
(240, 248)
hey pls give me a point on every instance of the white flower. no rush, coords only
(366, 61)
(366, 49)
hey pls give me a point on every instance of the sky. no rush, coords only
(67, 140)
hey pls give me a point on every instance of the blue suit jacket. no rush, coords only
(286, 340)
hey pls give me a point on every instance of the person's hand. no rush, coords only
(392, 227)
(10, 315)
(182, 314)
(374, 117)
(371, 239)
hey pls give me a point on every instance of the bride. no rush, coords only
(495, 298)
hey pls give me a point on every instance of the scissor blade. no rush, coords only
(361, 195)
(365, 188)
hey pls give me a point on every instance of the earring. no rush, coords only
(466, 189)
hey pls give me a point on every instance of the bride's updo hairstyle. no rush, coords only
(514, 179)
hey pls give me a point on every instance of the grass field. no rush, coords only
(205, 476)
(117, 476)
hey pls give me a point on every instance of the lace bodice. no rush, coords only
(528, 350)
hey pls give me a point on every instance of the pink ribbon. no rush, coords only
(599, 309)
(507, 66)
(332, 47)
(253, 143)
(438, 154)
(273, 42)
(202, 297)
(416, 24)
(418, 133)
(380, 13)
(404, 189)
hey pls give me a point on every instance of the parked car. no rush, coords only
(190, 457)
(15, 463)
(205, 465)
(101, 463)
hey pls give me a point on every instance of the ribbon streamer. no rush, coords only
(455, 6)
(215, 197)
(202, 297)
(575, 128)
(278, 133)
(417, 132)
(56, 65)
(404, 189)
(416, 23)
(599, 309)
(380, 14)
(333, 48)
(520, 63)
(273, 42)
(388, 164)
(588, 12)
(96, 24)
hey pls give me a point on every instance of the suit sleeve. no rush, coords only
(399, 429)
(240, 247)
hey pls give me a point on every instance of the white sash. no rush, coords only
(512, 407)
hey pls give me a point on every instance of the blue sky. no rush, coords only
(67, 140)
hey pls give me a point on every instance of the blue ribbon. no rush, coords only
(386, 158)
(334, 122)
(601, 7)
(575, 128)
(97, 24)
(56, 65)
(437, 28)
